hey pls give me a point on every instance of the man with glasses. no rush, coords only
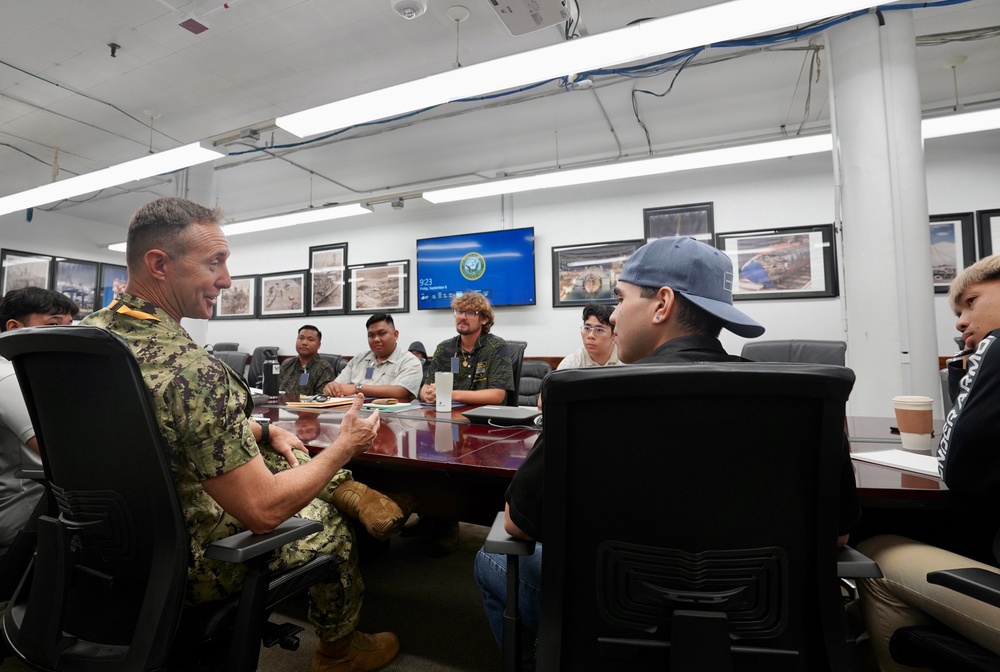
(483, 370)
(306, 374)
(483, 374)
(384, 370)
(600, 347)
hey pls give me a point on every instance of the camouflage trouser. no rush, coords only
(334, 607)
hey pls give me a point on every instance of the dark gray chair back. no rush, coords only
(337, 361)
(533, 372)
(732, 564)
(255, 374)
(221, 347)
(236, 360)
(796, 350)
(515, 350)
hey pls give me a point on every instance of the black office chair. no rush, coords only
(106, 585)
(255, 374)
(515, 350)
(796, 350)
(235, 359)
(709, 543)
(529, 385)
(937, 647)
(337, 361)
(225, 346)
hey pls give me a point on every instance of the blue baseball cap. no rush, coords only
(698, 272)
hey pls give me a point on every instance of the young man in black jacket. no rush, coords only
(969, 462)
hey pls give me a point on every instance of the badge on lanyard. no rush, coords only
(454, 364)
(304, 378)
(369, 372)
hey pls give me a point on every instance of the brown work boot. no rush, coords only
(380, 514)
(357, 652)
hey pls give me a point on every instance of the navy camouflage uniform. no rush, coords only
(487, 367)
(203, 411)
(320, 373)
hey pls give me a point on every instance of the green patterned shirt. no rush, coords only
(487, 367)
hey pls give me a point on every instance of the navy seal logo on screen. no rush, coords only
(473, 266)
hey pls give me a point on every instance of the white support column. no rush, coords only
(889, 294)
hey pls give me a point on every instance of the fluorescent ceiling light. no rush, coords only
(280, 221)
(137, 169)
(812, 144)
(957, 124)
(724, 21)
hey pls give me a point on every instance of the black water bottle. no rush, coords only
(271, 371)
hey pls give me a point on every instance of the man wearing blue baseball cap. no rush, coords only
(675, 295)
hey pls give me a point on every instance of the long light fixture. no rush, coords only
(812, 144)
(957, 124)
(137, 169)
(655, 37)
(281, 221)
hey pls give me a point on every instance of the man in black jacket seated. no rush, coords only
(674, 298)
(969, 462)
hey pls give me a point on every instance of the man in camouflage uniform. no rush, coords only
(177, 256)
(485, 374)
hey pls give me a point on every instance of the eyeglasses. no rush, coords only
(596, 331)
(466, 313)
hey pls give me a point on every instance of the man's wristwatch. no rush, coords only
(265, 429)
(360, 386)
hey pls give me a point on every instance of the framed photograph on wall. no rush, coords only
(114, 278)
(239, 301)
(327, 273)
(283, 294)
(78, 281)
(583, 274)
(694, 219)
(24, 269)
(988, 222)
(953, 247)
(381, 287)
(789, 263)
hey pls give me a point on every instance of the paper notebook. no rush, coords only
(917, 463)
(333, 402)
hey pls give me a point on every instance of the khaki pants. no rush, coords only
(903, 597)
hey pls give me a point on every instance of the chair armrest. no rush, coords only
(853, 564)
(247, 545)
(31, 474)
(501, 543)
(981, 584)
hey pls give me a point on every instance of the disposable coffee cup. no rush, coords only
(442, 385)
(915, 422)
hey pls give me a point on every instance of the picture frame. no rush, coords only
(788, 263)
(583, 274)
(327, 276)
(696, 220)
(114, 279)
(282, 294)
(988, 225)
(953, 247)
(24, 269)
(77, 280)
(379, 287)
(239, 300)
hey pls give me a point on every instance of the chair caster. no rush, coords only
(282, 634)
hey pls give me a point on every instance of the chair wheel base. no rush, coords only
(282, 634)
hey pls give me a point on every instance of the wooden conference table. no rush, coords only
(458, 469)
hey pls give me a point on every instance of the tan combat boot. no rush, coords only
(380, 514)
(357, 652)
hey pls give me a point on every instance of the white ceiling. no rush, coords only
(60, 89)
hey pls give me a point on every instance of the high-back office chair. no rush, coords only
(709, 545)
(106, 587)
(236, 359)
(255, 374)
(515, 349)
(225, 346)
(801, 351)
(337, 361)
(529, 386)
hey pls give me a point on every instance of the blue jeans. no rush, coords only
(491, 577)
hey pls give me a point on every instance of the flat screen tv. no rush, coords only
(500, 264)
